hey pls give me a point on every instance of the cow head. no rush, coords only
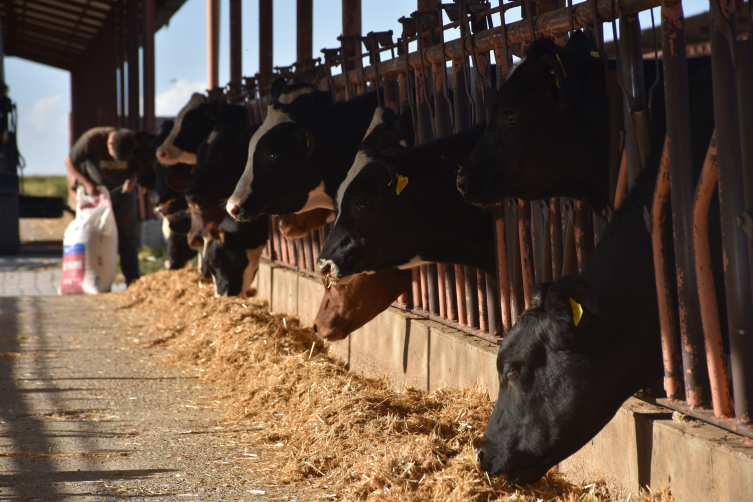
(547, 135)
(232, 265)
(168, 152)
(221, 159)
(174, 229)
(346, 308)
(564, 370)
(370, 231)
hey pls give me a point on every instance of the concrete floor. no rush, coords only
(87, 414)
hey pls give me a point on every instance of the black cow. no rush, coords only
(231, 254)
(548, 131)
(221, 159)
(175, 228)
(399, 210)
(297, 160)
(593, 335)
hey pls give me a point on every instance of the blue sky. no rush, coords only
(43, 93)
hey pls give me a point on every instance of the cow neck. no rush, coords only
(338, 130)
(455, 231)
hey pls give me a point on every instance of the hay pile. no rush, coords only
(350, 435)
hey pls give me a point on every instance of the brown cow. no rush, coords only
(347, 307)
(299, 225)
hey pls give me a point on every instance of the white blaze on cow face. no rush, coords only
(362, 160)
(243, 188)
(289, 97)
(254, 255)
(168, 153)
(376, 121)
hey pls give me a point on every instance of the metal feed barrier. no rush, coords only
(544, 240)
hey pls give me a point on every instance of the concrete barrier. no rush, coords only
(642, 446)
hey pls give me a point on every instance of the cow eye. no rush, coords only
(510, 371)
(511, 116)
(272, 156)
(361, 207)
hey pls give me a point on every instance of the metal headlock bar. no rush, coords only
(544, 240)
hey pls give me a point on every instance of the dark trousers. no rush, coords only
(125, 208)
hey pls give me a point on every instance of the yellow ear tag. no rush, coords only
(307, 140)
(561, 65)
(577, 311)
(595, 55)
(402, 182)
(556, 80)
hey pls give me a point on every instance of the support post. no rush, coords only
(304, 30)
(213, 44)
(149, 118)
(236, 42)
(134, 120)
(265, 39)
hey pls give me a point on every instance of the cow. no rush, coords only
(402, 209)
(596, 334)
(346, 308)
(231, 254)
(196, 119)
(296, 226)
(547, 135)
(297, 160)
(175, 228)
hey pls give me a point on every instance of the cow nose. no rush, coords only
(161, 154)
(324, 268)
(233, 209)
(315, 331)
(480, 454)
(461, 182)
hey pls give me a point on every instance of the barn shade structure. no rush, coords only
(546, 239)
(98, 41)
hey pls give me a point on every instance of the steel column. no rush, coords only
(213, 44)
(682, 189)
(134, 120)
(149, 118)
(637, 132)
(526, 249)
(304, 40)
(732, 200)
(265, 39)
(236, 42)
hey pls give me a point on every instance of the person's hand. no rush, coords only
(92, 189)
(129, 185)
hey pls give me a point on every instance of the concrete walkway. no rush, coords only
(88, 413)
(36, 275)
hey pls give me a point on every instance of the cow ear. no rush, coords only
(579, 44)
(178, 181)
(539, 293)
(553, 74)
(569, 308)
(216, 232)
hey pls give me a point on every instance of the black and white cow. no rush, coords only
(596, 334)
(175, 228)
(297, 160)
(548, 130)
(399, 210)
(232, 251)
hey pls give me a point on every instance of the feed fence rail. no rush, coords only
(543, 240)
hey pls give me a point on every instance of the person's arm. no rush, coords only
(75, 171)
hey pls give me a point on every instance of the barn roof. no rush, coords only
(58, 32)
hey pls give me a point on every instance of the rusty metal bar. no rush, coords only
(213, 44)
(720, 395)
(679, 153)
(526, 249)
(460, 295)
(134, 122)
(493, 310)
(622, 182)
(548, 24)
(425, 300)
(584, 241)
(483, 313)
(304, 30)
(471, 298)
(149, 119)
(570, 261)
(442, 290)
(503, 281)
(637, 129)
(416, 287)
(555, 225)
(309, 248)
(236, 42)
(737, 270)
(265, 38)
(517, 293)
(662, 249)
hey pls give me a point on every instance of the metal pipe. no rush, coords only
(634, 102)
(425, 300)
(662, 250)
(518, 296)
(432, 279)
(620, 193)
(526, 249)
(304, 23)
(737, 268)
(460, 295)
(720, 395)
(416, 287)
(213, 44)
(679, 153)
(483, 313)
(236, 42)
(584, 240)
(265, 39)
(471, 297)
(452, 299)
(134, 120)
(441, 290)
(546, 252)
(503, 281)
(149, 119)
(492, 307)
(555, 224)
(569, 262)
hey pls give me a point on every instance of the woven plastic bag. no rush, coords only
(90, 246)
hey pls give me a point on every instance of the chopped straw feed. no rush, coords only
(336, 430)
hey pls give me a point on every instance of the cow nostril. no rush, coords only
(324, 268)
(232, 209)
(461, 181)
(315, 330)
(480, 455)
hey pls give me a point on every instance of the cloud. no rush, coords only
(169, 102)
(48, 114)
